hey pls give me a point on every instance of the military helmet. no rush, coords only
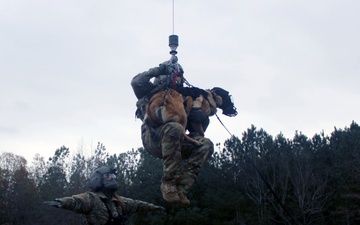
(96, 178)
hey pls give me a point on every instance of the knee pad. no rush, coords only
(207, 144)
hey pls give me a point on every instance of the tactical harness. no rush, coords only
(119, 220)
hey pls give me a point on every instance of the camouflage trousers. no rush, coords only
(182, 160)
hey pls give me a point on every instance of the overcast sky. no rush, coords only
(66, 67)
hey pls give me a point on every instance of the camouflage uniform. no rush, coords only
(95, 205)
(182, 160)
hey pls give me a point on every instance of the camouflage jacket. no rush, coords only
(144, 88)
(94, 205)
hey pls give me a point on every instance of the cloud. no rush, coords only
(66, 67)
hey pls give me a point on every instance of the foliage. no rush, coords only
(256, 179)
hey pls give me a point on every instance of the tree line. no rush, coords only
(257, 179)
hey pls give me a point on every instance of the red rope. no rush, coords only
(176, 75)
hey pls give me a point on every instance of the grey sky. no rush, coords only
(66, 66)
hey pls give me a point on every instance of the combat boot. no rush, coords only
(169, 191)
(184, 201)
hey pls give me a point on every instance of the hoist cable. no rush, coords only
(173, 16)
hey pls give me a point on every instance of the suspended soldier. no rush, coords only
(182, 160)
(102, 205)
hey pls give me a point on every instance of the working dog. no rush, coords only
(189, 106)
(205, 104)
(168, 106)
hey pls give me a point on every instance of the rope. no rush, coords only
(187, 82)
(269, 186)
(261, 175)
(223, 124)
(173, 19)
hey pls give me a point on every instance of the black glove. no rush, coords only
(56, 204)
